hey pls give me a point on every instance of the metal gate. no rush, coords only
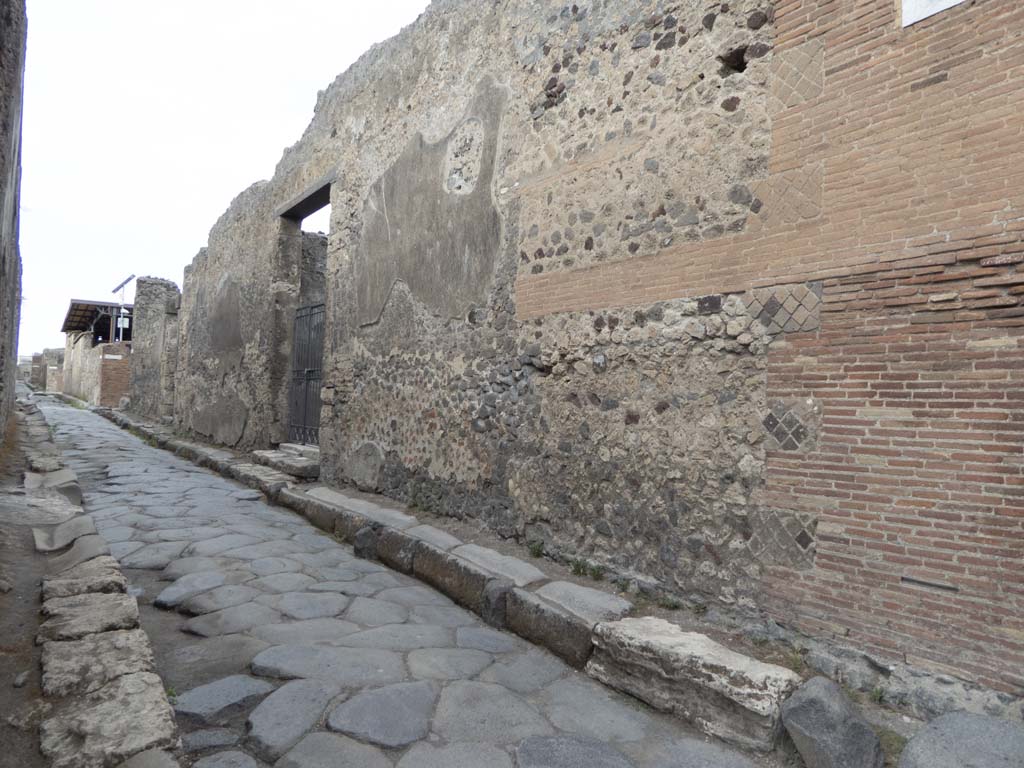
(307, 357)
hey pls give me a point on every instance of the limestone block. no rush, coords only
(60, 536)
(64, 481)
(82, 666)
(460, 579)
(561, 617)
(374, 512)
(435, 536)
(101, 574)
(124, 717)
(515, 570)
(270, 481)
(724, 693)
(289, 463)
(84, 549)
(70, 618)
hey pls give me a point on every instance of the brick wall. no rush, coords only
(894, 188)
(115, 373)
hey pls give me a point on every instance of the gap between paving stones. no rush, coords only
(650, 659)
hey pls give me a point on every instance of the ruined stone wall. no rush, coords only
(709, 295)
(53, 360)
(154, 347)
(12, 69)
(98, 375)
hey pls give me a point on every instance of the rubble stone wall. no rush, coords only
(154, 347)
(97, 375)
(708, 295)
(12, 70)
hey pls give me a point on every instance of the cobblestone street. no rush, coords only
(278, 646)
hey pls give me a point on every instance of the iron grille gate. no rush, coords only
(307, 356)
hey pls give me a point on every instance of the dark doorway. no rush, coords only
(307, 354)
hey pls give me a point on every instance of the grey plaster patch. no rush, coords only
(392, 716)
(349, 667)
(286, 715)
(216, 702)
(472, 711)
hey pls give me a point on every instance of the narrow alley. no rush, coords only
(279, 647)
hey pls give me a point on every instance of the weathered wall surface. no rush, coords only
(53, 360)
(723, 297)
(98, 375)
(12, 69)
(154, 359)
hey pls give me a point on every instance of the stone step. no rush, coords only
(294, 464)
(305, 451)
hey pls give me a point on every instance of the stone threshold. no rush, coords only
(97, 662)
(726, 694)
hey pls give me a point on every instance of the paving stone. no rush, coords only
(423, 755)
(525, 672)
(568, 752)
(350, 588)
(62, 535)
(579, 706)
(827, 730)
(232, 759)
(235, 619)
(472, 711)
(208, 738)
(127, 716)
(515, 570)
(266, 549)
(151, 758)
(220, 544)
(265, 566)
(82, 666)
(965, 740)
(348, 667)
(117, 533)
(326, 750)
(219, 598)
(101, 574)
(210, 659)
(186, 565)
(726, 694)
(283, 582)
(392, 716)
(689, 752)
(442, 616)
(375, 613)
(447, 663)
(122, 549)
(486, 639)
(70, 618)
(153, 556)
(400, 637)
(215, 703)
(308, 632)
(306, 605)
(189, 586)
(286, 715)
(84, 549)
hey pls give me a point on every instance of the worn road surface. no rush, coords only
(279, 647)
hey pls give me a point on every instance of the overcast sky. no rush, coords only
(144, 118)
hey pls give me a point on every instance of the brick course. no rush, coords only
(895, 180)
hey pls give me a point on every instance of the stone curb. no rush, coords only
(570, 621)
(95, 656)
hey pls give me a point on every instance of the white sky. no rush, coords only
(144, 118)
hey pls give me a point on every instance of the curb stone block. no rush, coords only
(365, 543)
(565, 635)
(397, 549)
(461, 580)
(726, 694)
(51, 539)
(435, 537)
(101, 574)
(495, 607)
(515, 570)
(827, 730)
(84, 549)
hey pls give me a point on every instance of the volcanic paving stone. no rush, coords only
(424, 755)
(568, 752)
(348, 667)
(392, 716)
(447, 663)
(230, 759)
(965, 740)
(286, 715)
(215, 703)
(827, 730)
(235, 619)
(325, 750)
(471, 711)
